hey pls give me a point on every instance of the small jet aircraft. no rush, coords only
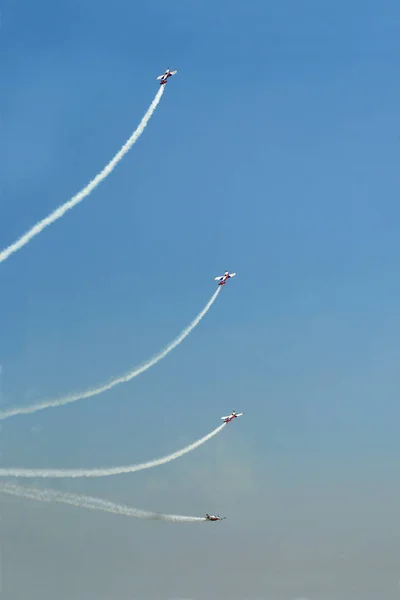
(214, 518)
(164, 76)
(224, 278)
(233, 415)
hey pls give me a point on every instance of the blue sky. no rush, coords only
(273, 153)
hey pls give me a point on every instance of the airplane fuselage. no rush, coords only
(164, 78)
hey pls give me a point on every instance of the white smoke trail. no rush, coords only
(46, 495)
(61, 210)
(24, 410)
(106, 472)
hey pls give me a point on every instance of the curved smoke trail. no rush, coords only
(61, 210)
(90, 503)
(106, 472)
(24, 410)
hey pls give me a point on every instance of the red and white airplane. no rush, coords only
(224, 278)
(214, 518)
(233, 415)
(164, 76)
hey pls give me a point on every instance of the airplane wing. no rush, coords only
(218, 278)
(232, 274)
(239, 414)
(174, 72)
(160, 76)
(223, 418)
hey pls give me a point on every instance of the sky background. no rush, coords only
(275, 153)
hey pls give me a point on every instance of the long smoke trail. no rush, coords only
(24, 410)
(61, 210)
(46, 495)
(106, 472)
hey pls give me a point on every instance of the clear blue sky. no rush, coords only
(275, 153)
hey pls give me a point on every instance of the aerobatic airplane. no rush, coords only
(233, 415)
(164, 76)
(224, 278)
(214, 518)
